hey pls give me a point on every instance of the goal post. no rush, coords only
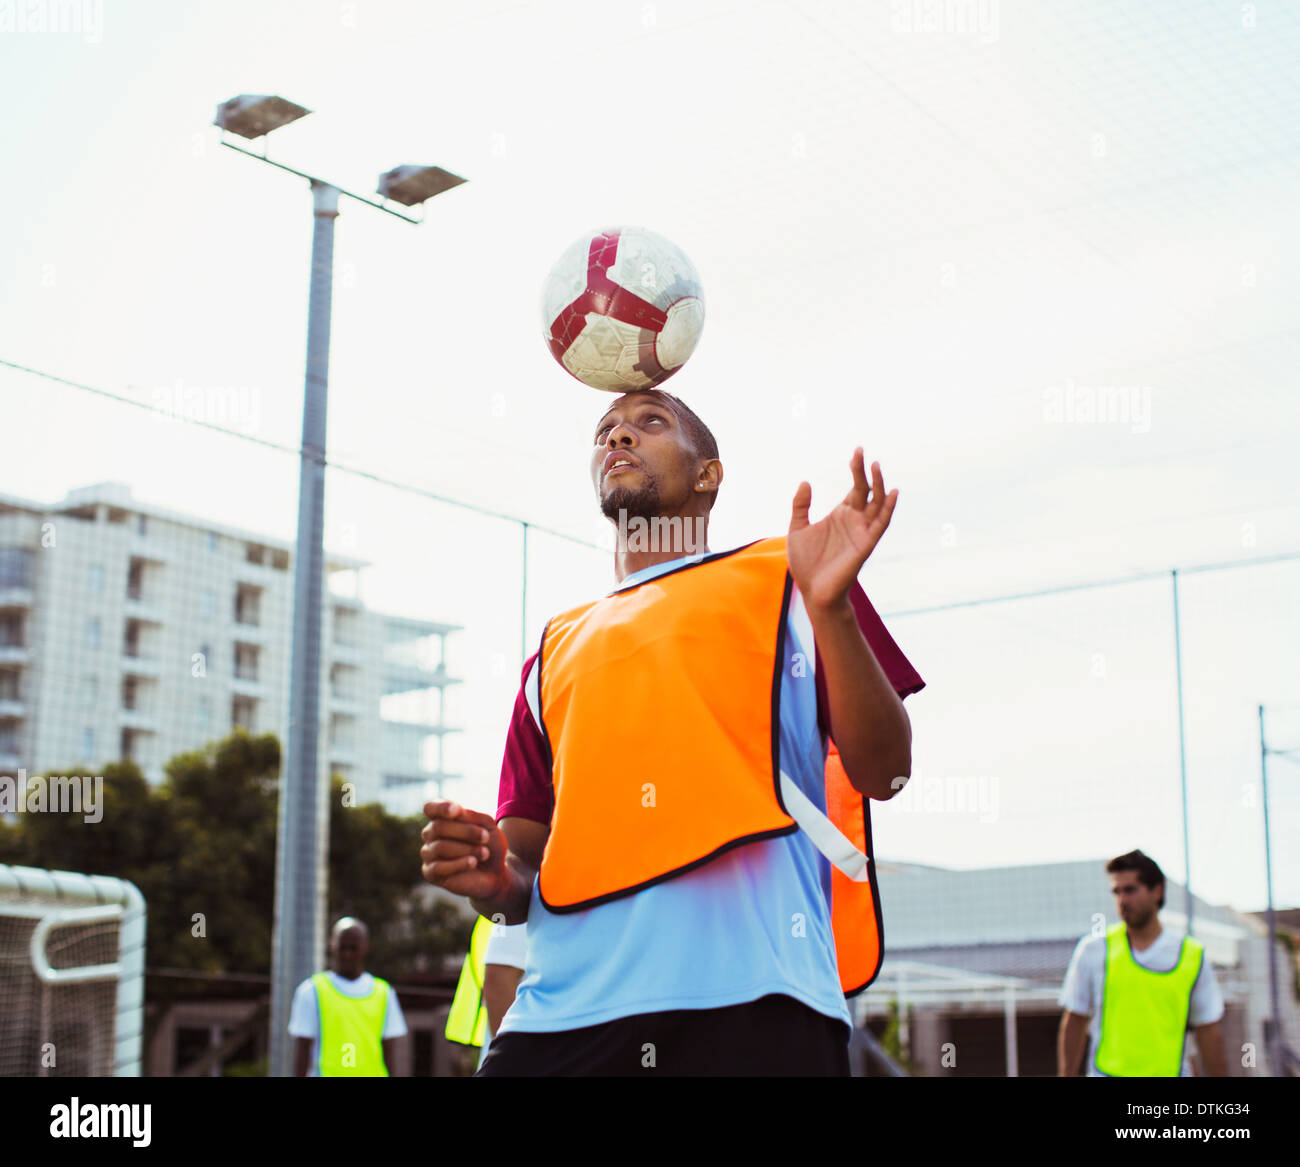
(71, 974)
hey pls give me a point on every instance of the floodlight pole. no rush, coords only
(1182, 755)
(523, 600)
(302, 831)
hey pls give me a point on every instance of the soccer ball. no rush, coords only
(622, 309)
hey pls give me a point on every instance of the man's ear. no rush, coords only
(709, 476)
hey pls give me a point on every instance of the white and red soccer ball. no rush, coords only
(622, 309)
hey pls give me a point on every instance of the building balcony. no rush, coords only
(144, 609)
(141, 666)
(248, 686)
(142, 718)
(401, 777)
(150, 547)
(403, 677)
(12, 707)
(407, 729)
(263, 575)
(342, 652)
(15, 597)
(256, 634)
(14, 654)
(345, 704)
(344, 754)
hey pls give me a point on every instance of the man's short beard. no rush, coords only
(642, 503)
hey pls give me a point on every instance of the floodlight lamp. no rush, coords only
(252, 115)
(411, 185)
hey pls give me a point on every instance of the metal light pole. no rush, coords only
(1282, 1058)
(1182, 755)
(303, 825)
(1275, 1037)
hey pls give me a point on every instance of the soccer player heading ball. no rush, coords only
(694, 874)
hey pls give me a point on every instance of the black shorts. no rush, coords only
(773, 1036)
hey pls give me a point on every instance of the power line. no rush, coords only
(297, 451)
(383, 480)
(1141, 577)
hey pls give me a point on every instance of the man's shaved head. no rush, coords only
(348, 924)
(349, 943)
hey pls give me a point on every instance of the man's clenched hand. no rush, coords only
(464, 851)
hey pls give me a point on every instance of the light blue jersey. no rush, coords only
(755, 920)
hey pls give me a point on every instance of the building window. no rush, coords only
(243, 713)
(212, 540)
(9, 686)
(92, 632)
(135, 580)
(209, 604)
(248, 605)
(205, 710)
(91, 690)
(246, 661)
(142, 524)
(11, 630)
(15, 567)
(88, 745)
(96, 577)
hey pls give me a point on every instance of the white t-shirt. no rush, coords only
(304, 1015)
(507, 945)
(1082, 990)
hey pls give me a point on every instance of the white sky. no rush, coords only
(913, 238)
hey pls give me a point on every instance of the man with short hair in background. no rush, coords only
(345, 1022)
(1138, 989)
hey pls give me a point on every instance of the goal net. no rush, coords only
(71, 974)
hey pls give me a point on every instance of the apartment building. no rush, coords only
(131, 632)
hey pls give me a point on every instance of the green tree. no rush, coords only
(201, 848)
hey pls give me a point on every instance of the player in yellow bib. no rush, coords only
(345, 1022)
(1139, 989)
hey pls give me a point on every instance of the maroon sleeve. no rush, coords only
(898, 668)
(525, 791)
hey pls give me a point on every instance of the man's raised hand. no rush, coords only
(826, 556)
